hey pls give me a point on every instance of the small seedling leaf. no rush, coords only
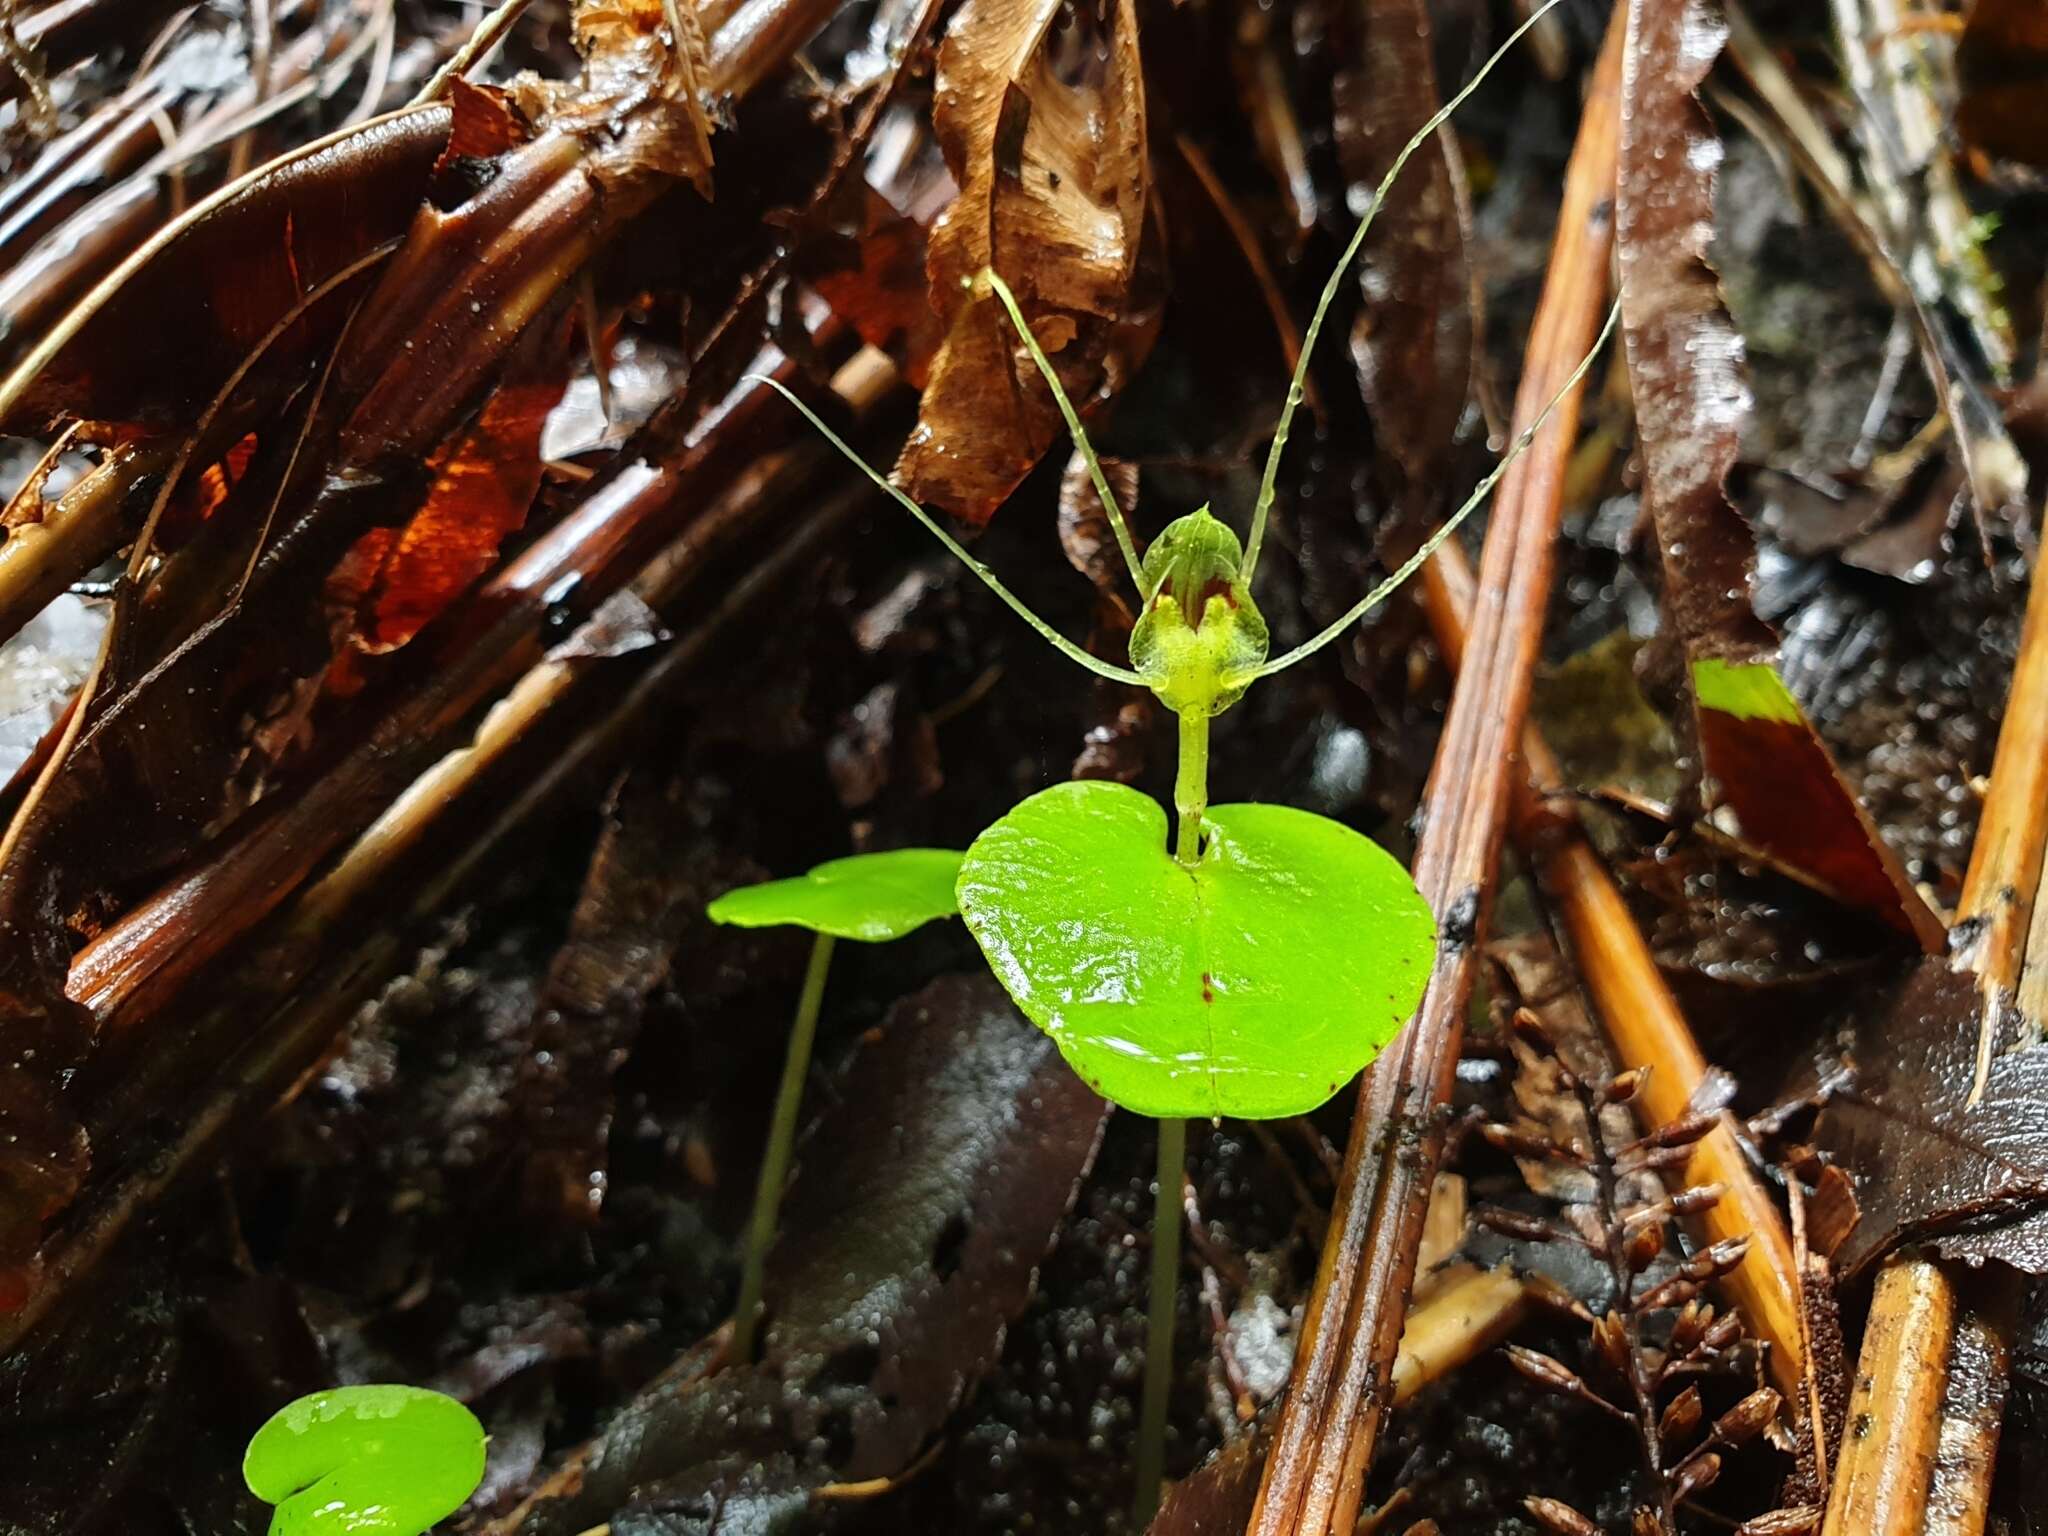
(873, 897)
(367, 1461)
(1255, 984)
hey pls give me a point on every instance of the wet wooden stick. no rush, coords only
(1641, 1016)
(1315, 1475)
(1887, 1464)
(1916, 1298)
(1990, 934)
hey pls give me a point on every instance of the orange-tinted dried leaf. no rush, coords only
(206, 493)
(1053, 187)
(1684, 362)
(154, 343)
(484, 480)
(874, 279)
(484, 127)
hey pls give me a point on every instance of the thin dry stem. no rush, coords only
(516, 763)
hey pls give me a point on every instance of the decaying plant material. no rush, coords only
(413, 611)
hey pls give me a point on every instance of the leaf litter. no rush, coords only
(589, 1135)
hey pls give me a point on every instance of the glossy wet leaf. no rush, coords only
(1254, 985)
(370, 1461)
(871, 896)
(1927, 1166)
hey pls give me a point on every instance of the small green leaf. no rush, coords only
(1746, 690)
(1255, 984)
(872, 896)
(365, 1461)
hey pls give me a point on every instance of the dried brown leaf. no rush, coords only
(2002, 68)
(1412, 342)
(1054, 184)
(648, 878)
(639, 104)
(1926, 1166)
(1085, 533)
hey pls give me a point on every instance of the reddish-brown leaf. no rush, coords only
(1685, 369)
(1412, 343)
(1973, 1181)
(484, 479)
(873, 276)
(2002, 67)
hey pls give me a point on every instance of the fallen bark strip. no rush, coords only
(1641, 1016)
(1322, 1448)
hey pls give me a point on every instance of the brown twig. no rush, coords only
(1315, 1476)
(1887, 1465)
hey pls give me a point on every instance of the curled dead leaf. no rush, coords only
(639, 105)
(1054, 184)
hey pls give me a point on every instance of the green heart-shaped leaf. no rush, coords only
(872, 896)
(365, 1461)
(1255, 984)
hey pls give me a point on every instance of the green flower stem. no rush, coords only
(1191, 784)
(796, 1067)
(1166, 1220)
(1190, 800)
